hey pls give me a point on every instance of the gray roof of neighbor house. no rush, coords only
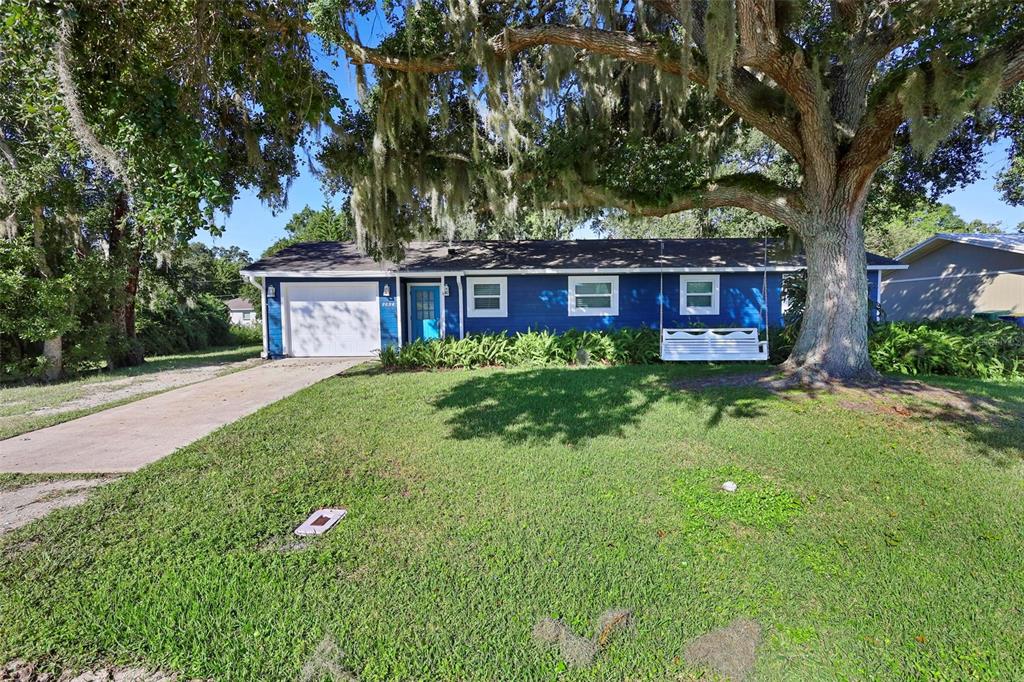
(586, 254)
(238, 305)
(1013, 243)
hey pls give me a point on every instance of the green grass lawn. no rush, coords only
(18, 403)
(869, 542)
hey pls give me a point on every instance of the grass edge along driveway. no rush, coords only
(871, 537)
(19, 401)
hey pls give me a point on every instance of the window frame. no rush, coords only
(500, 311)
(716, 290)
(575, 311)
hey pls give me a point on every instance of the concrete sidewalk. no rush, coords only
(131, 436)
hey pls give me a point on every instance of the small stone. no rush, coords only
(729, 486)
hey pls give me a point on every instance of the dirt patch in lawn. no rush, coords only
(730, 652)
(326, 663)
(760, 378)
(899, 397)
(26, 503)
(580, 651)
(22, 671)
(909, 399)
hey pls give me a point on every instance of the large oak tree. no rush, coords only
(583, 105)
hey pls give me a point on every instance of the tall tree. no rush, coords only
(325, 224)
(586, 105)
(175, 106)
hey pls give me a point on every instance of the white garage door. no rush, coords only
(330, 319)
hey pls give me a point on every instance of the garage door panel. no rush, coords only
(333, 319)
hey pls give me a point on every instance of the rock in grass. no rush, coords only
(730, 651)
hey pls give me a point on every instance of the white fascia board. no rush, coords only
(625, 271)
(412, 274)
(300, 274)
(926, 246)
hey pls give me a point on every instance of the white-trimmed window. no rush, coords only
(698, 294)
(488, 297)
(594, 295)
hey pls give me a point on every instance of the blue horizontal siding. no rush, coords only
(542, 302)
(537, 302)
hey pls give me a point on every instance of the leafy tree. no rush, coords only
(898, 234)
(32, 308)
(311, 225)
(889, 232)
(539, 224)
(197, 269)
(165, 110)
(586, 106)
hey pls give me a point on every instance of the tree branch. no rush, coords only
(751, 191)
(745, 95)
(8, 225)
(874, 139)
(83, 132)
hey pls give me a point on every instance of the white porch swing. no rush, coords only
(734, 343)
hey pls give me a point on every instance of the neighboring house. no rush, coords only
(241, 312)
(325, 298)
(955, 275)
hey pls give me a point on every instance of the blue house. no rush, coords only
(327, 299)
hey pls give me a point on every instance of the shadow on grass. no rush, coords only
(990, 414)
(574, 405)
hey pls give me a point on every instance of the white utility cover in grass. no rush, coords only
(320, 521)
(331, 319)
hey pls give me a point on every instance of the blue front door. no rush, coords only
(425, 311)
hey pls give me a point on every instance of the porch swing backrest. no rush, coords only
(713, 344)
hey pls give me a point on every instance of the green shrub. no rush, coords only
(243, 335)
(167, 327)
(614, 347)
(959, 347)
(963, 347)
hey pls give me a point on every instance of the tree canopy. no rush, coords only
(655, 107)
(475, 114)
(125, 126)
(590, 105)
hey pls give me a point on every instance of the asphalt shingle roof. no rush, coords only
(328, 257)
(238, 304)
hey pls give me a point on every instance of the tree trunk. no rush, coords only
(53, 351)
(53, 348)
(833, 341)
(124, 254)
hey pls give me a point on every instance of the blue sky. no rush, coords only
(253, 227)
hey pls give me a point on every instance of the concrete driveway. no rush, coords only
(131, 436)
